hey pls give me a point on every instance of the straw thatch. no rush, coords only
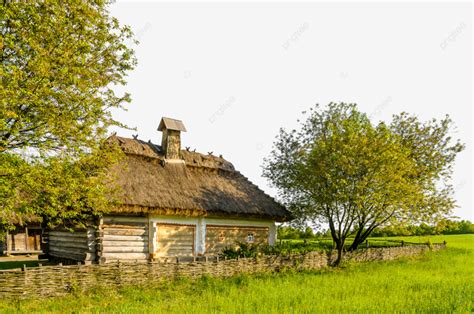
(204, 185)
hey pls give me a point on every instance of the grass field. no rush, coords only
(438, 282)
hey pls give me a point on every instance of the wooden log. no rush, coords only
(125, 243)
(67, 250)
(57, 238)
(124, 256)
(109, 237)
(68, 244)
(126, 226)
(68, 234)
(124, 249)
(114, 219)
(132, 232)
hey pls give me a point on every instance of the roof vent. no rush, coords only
(171, 140)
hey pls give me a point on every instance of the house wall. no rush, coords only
(79, 245)
(219, 237)
(134, 238)
(123, 238)
(200, 224)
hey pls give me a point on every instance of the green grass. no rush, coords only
(438, 282)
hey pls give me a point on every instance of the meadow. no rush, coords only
(437, 282)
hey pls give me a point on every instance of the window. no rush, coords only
(250, 237)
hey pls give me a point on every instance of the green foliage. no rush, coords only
(342, 170)
(295, 247)
(60, 62)
(444, 226)
(241, 249)
(288, 232)
(438, 282)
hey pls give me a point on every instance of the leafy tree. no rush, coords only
(59, 64)
(345, 171)
(308, 233)
(288, 232)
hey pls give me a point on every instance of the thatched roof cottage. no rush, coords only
(174, 202)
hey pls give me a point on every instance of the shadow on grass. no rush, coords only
(19, 264)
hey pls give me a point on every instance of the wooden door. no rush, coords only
(175, 240)
(34, 239)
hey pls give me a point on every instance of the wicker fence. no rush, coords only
(47, 281)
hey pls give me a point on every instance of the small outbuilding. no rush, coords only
(173, 203)
(25, 238)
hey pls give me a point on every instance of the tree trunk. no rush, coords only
(340, 249)
(360, 239)
(338, 260)
(356, 241)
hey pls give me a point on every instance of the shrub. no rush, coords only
(242, 249)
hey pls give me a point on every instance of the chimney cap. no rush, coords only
(171, 124)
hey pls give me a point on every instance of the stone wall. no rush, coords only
(59, 280)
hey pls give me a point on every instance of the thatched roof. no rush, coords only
(204, 185)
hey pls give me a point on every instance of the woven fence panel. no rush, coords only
(49, 281)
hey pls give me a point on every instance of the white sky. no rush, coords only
(237, 72)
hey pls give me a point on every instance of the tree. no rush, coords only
(345, 171)
(308, 233)
(59, 64)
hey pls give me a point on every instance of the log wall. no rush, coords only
(78, 246)
(123, 238)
